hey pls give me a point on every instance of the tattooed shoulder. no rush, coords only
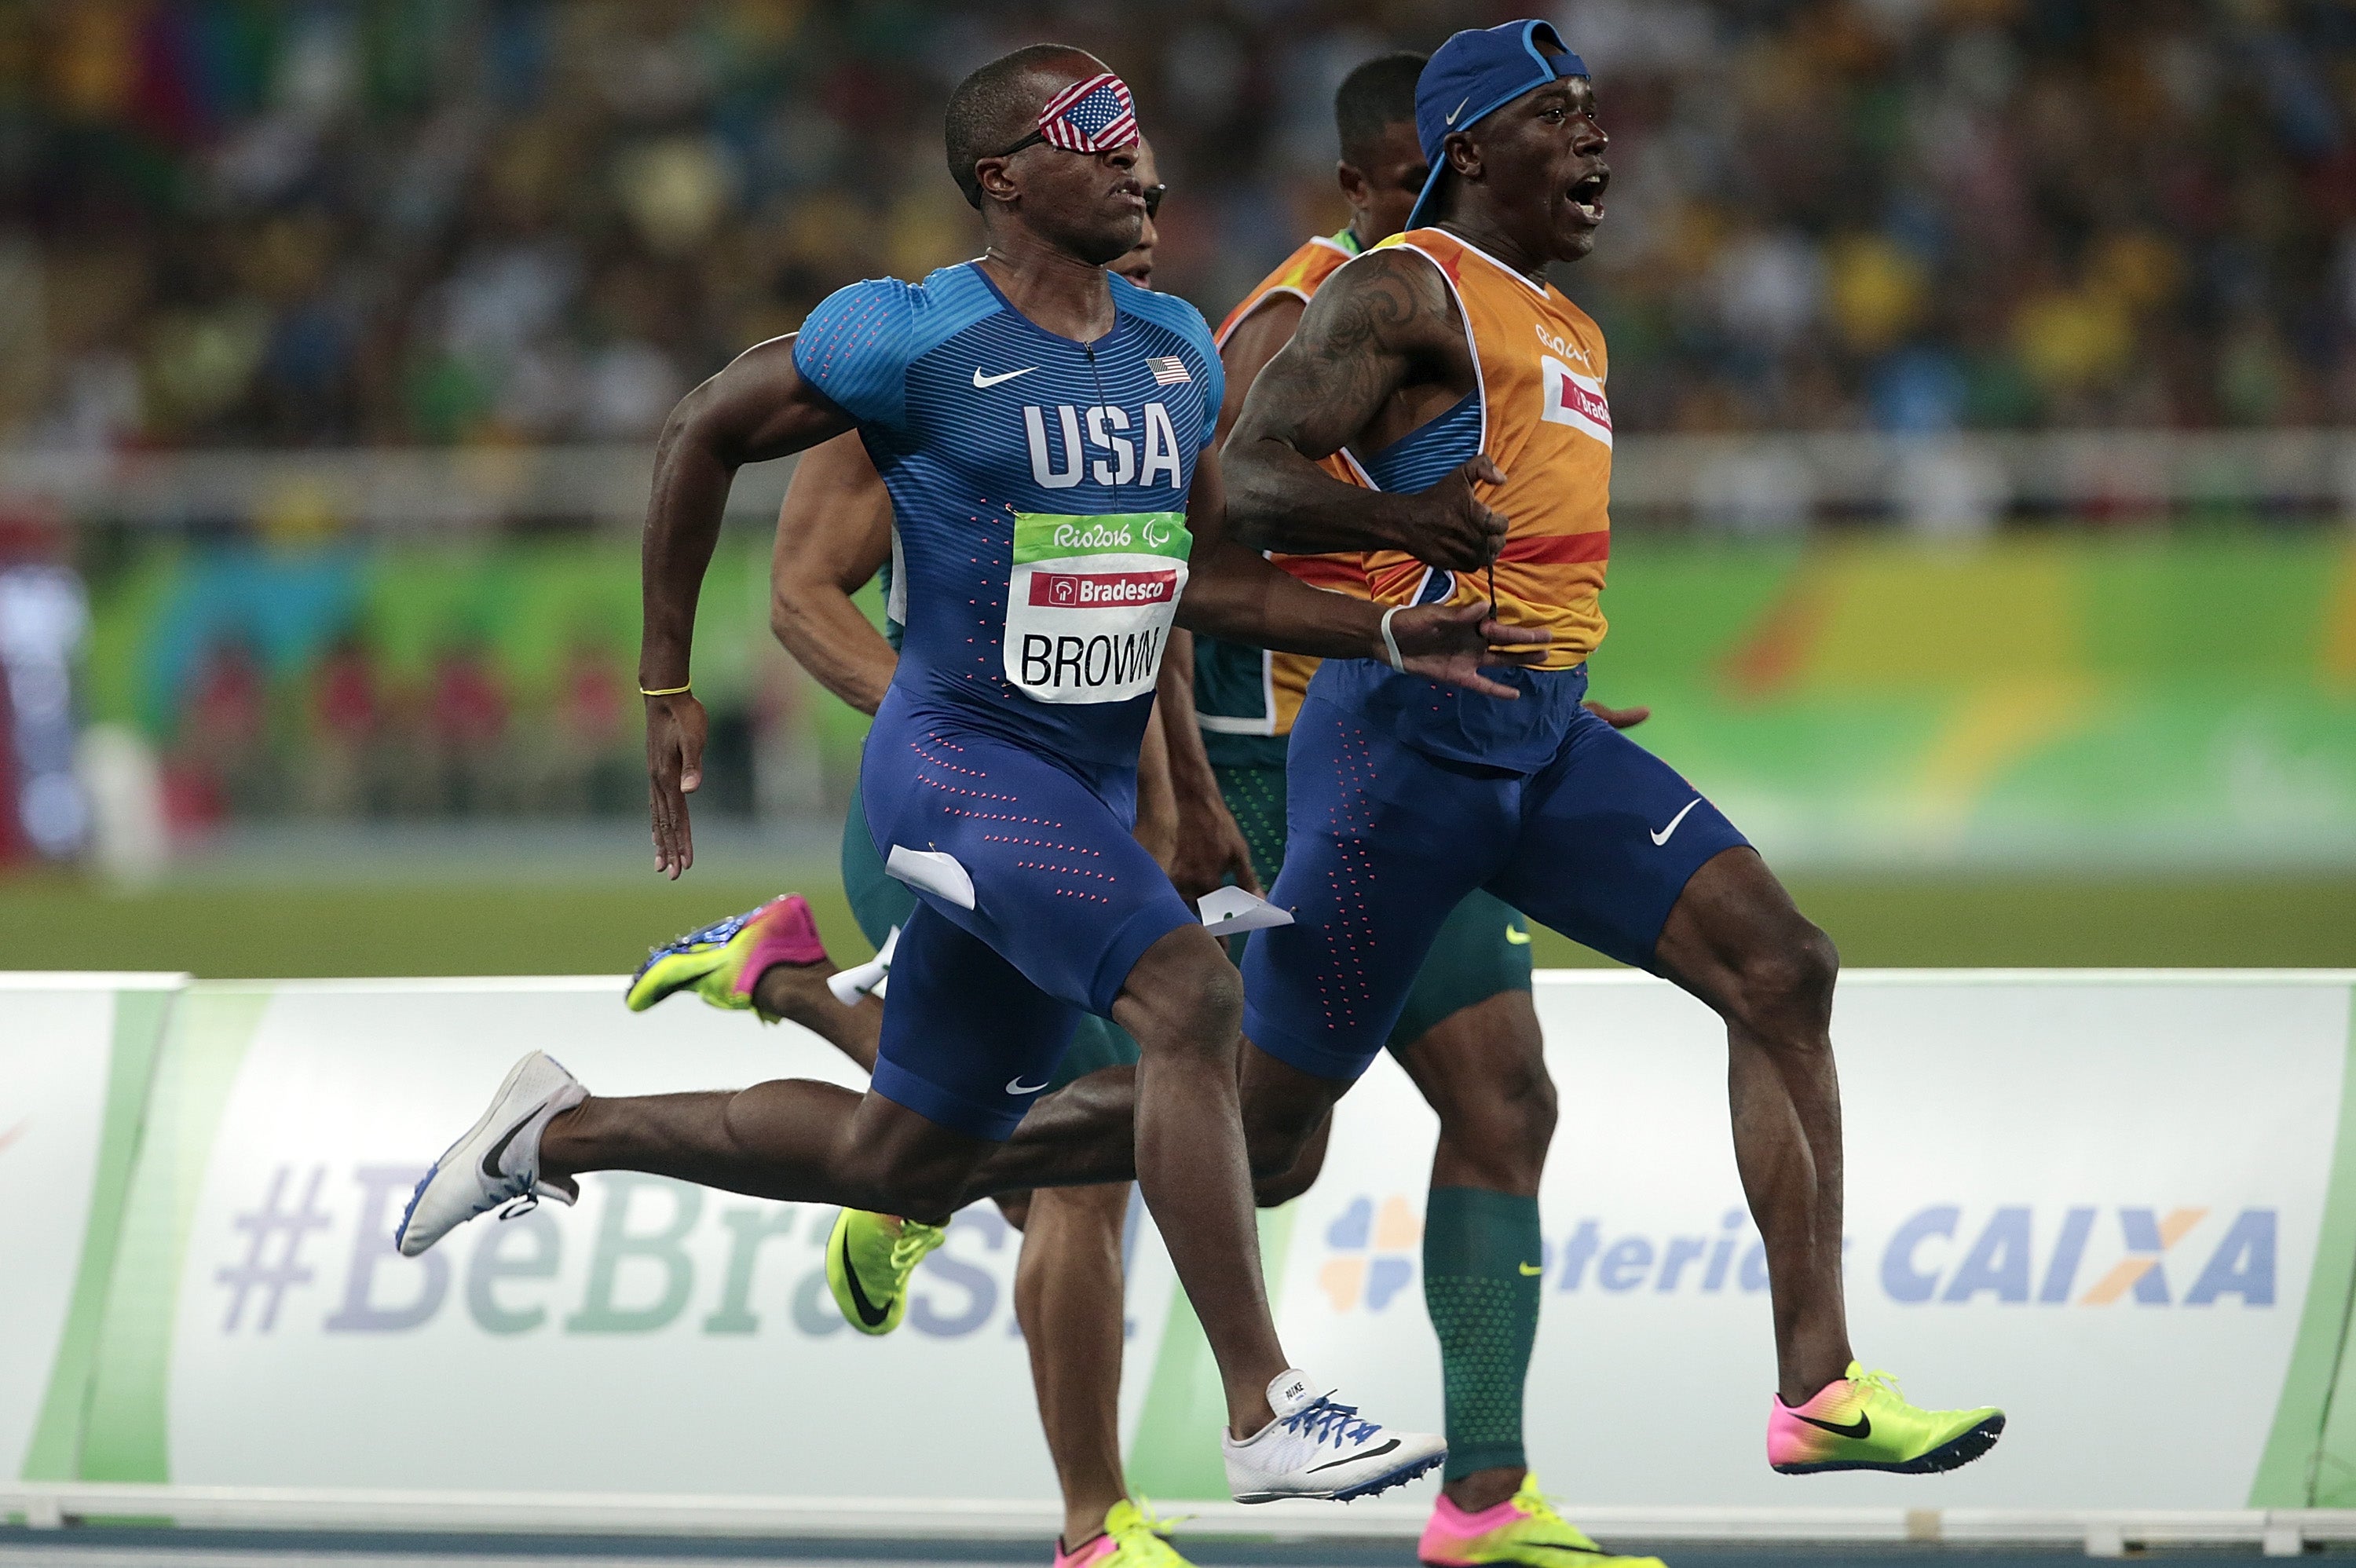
(1384, 321)
(1386, 300)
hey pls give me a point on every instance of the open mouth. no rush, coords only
(1587, 194)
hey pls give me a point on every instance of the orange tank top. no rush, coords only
(1244, 691)
(1544, 420)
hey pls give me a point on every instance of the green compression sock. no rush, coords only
(1481, 1258)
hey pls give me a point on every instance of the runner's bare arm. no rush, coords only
(1157, 804)
(1256, 339)
(1383, 323)
(1232, 593)
(1211, 848)
(834, 533)
(756, 409)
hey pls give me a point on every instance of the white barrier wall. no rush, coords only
(2094, 1201)
(658, 1338)
(2104, 1202)
(75, 1054)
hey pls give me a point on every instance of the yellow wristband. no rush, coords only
(665, 691)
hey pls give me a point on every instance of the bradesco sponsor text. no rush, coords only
(1094, 589)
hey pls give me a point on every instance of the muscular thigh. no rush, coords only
(882, 904)
(1610, 836)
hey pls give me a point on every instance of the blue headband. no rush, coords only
(1474, 74)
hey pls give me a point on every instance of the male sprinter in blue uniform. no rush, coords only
(1467, 1034)
(1040, 425)
(834, 534)
(1446, 366)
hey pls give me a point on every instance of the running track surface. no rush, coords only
(116, 1547)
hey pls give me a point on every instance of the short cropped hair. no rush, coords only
(1372, 99)
(993, 109)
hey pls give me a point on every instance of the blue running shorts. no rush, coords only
(1385, 841)
(881, 902)
(985, 999)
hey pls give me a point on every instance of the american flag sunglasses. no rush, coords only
(1091, 116)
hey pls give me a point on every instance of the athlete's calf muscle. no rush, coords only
(1483, 1069)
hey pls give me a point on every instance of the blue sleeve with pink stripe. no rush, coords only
(854, 348)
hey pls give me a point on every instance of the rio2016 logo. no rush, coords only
(1095, 535)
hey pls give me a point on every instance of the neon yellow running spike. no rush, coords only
(1132, 1538)
(868, 1261)
(722, 962)
(1523, 1529)
(1862, 1422)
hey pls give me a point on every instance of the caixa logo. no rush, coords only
(1944, 1254)
(2085, 1257)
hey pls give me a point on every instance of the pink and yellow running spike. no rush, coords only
(724, 961)
(1132, 1538)
(1523, 1529)
(1862, 1422)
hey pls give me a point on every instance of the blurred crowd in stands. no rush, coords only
(364, 745)
(328, 223)
(346, 734)
(232, 221)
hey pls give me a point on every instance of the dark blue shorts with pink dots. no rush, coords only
(1387, 839)
(1033, 902)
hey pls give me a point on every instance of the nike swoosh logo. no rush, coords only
(1861, 1429)
(1452, 113)
(869, 1313)
(1562, 1546)
(1354, 1458)
(1663, 836)
(1531, 1270)
(981, 381)
(1517, 937)
(1015, 1085)
(491, 1157)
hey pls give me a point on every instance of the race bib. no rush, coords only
(1090, 602)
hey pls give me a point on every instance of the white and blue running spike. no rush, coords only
(1319, 1447)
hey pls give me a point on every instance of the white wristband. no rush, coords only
(1390, 644)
